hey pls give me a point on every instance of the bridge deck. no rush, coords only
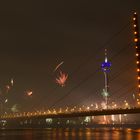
(73, 114)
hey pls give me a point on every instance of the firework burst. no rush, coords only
(61, 79)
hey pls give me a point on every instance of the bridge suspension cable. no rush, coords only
(86, 79)
(84, 63)
(111, 80)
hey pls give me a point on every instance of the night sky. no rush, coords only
(35, 36)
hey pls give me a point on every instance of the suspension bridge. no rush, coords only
(113, 105)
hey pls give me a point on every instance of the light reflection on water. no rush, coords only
(71, 134)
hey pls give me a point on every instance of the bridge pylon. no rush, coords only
(137, 48)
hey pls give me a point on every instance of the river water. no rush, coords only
(71, 134)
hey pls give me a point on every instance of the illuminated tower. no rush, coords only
(137, 47)
(106, 69)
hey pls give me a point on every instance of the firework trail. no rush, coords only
(29, 93)
(12, 82)
(58, 66)
(7, 88)
(6, 100)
